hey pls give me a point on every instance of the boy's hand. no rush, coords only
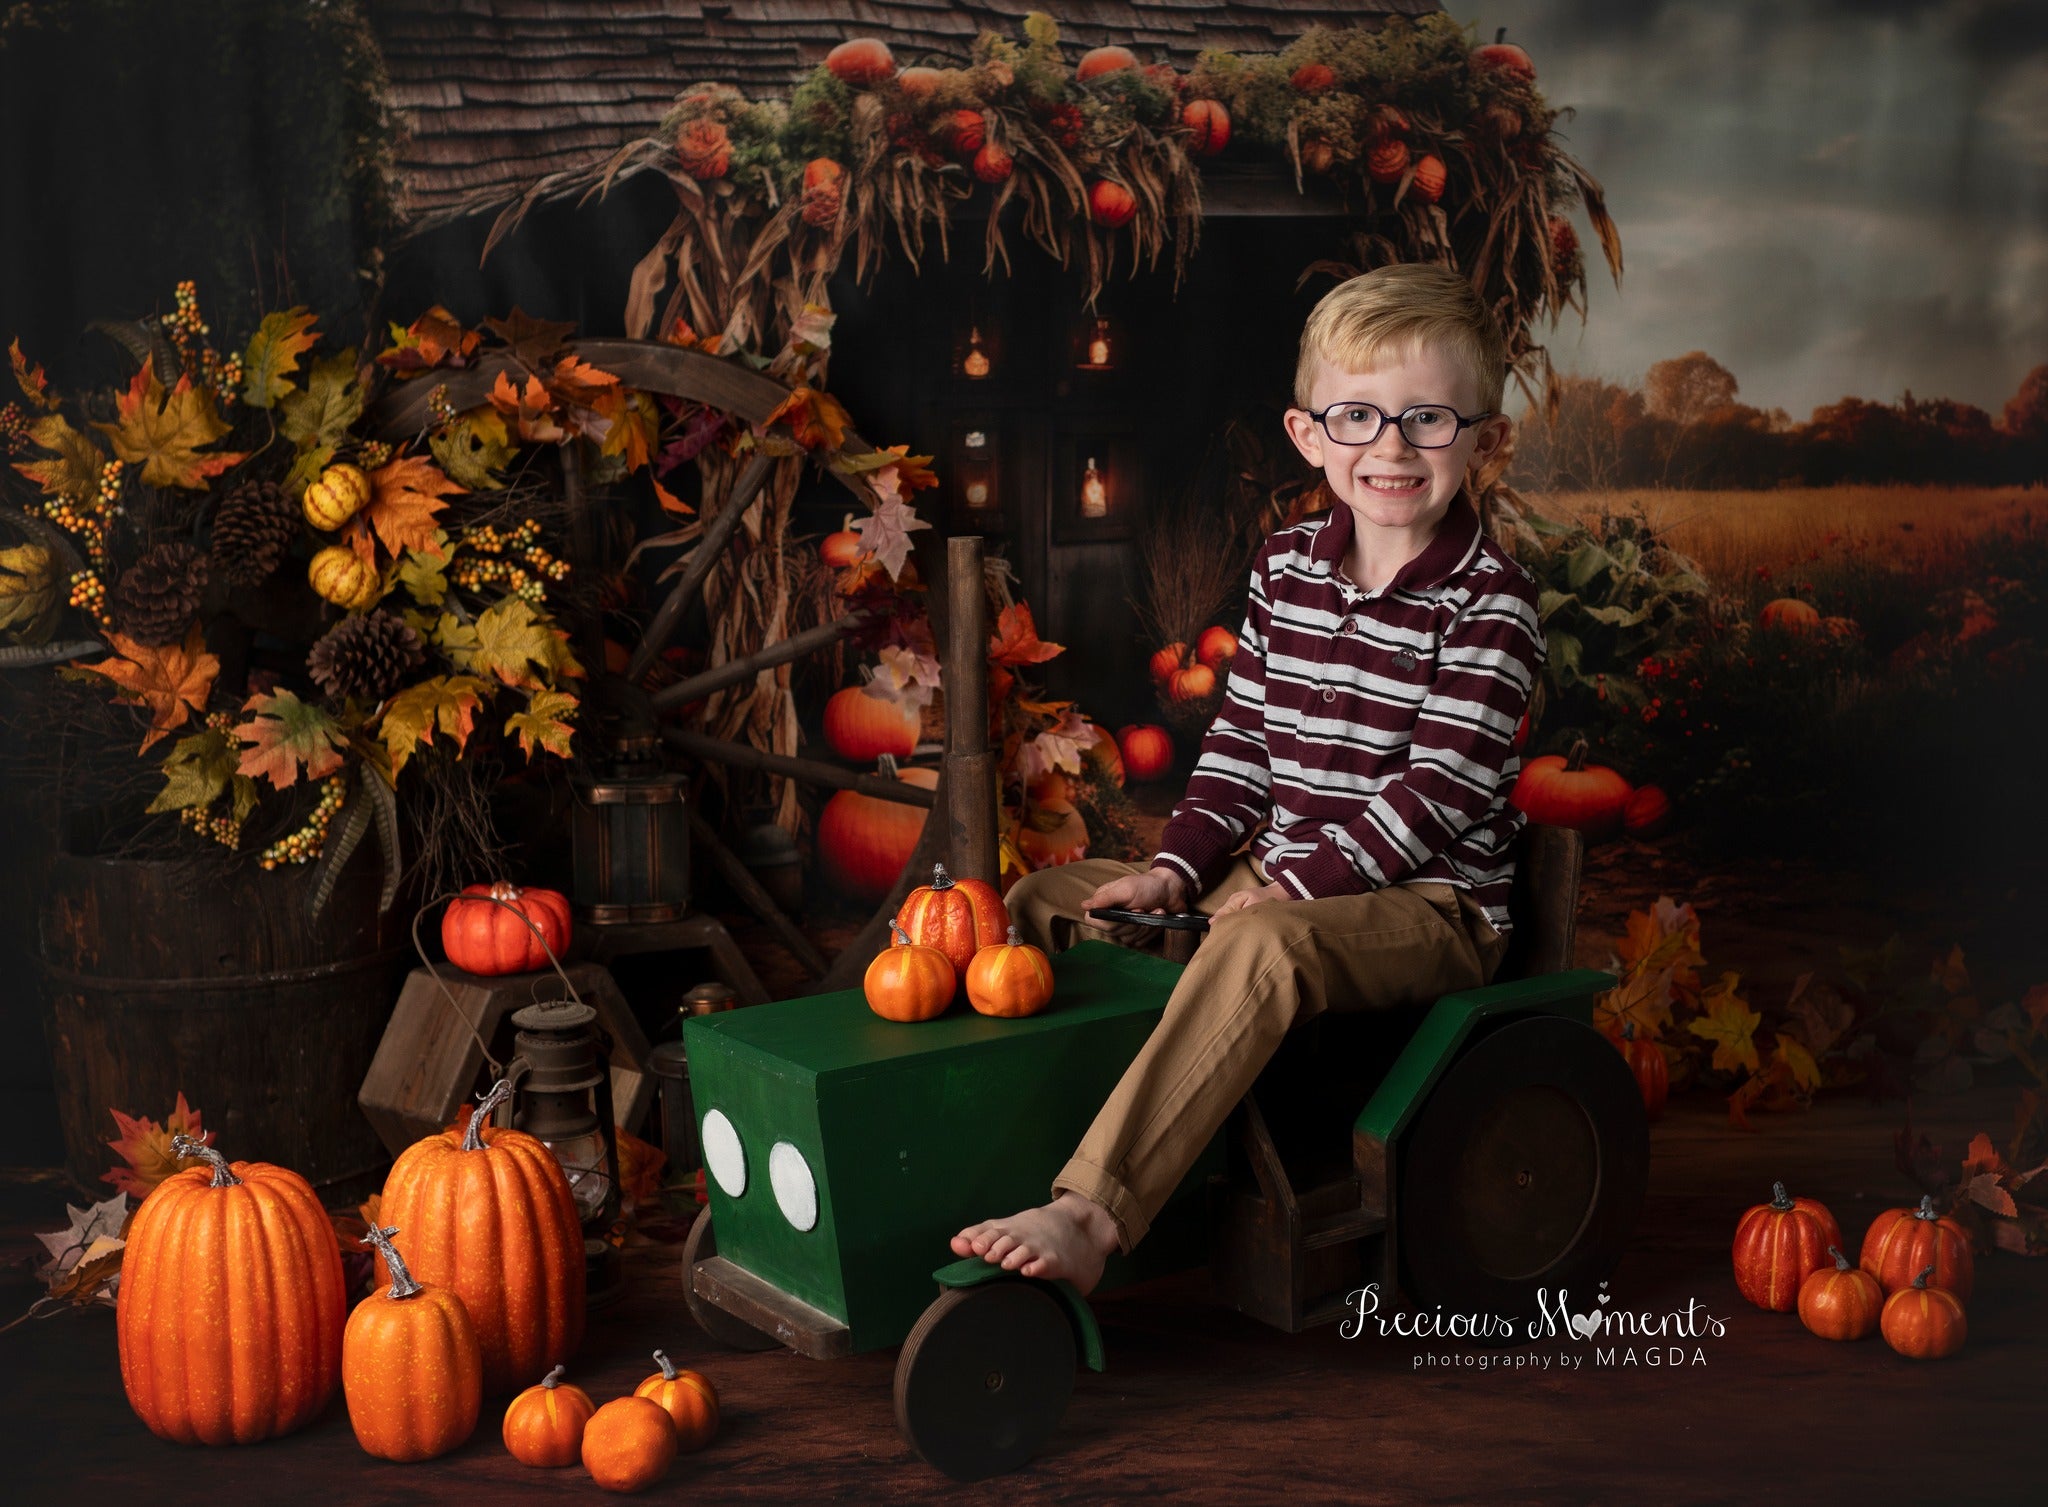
(1263, 894)
(1158, 890)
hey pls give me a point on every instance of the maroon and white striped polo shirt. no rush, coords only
(1371, 730)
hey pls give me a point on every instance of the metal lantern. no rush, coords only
(565, 1102)
(630, 836)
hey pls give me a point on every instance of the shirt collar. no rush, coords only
(1457, 537)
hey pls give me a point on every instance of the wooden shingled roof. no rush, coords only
(497, 93)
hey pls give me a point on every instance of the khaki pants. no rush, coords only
(1257, 975)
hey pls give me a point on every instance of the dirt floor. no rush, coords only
(1201, 1405)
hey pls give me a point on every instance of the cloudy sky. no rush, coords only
(1827, 196)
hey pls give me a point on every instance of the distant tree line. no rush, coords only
(1683, 428)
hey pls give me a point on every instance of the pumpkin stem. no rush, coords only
(668, 1370)
(1779, 1201)
(1628, 1030)
(1921, 1280)
(402, 1283)
(941, 880)
(885, 764)
(1841, 1261)
(504, 889)
(186, 1147)
(554, 1378)
(1926, 1209)
(473, 1137)
(1016, 936)
(1575, 759)
(1500, 36)
(901, 938)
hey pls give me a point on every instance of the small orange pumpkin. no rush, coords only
(862, 727)
(1565, 791)
(1110, 203)
(1430, 177)
(629, 1444)
(338, 575)
(486, 938)
(544, 1426)
(1901, 1241)
(1100, 60)
(992, 164)
(1386, 162)
(957, 916)
(1194, 683)
(1313, 78)
(843, 548)
(909, 981)
(1216, 647)
(1208, 126)
(861, 60)
(341, 492)
(1148, 750)
(1010, 980)
(1777, 1244)
(1789, 615)
(688, 1399)
(1923, 1322)
(410, 1366)
(1840, 1302)
(1646, 1062)
(1167, 660)
(1647, 811)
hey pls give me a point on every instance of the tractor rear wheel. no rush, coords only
(984, 1378)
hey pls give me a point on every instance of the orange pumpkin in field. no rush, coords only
(1566, 791)
(230, 1313)
(1901, 1241)
(629, 1444)
(1148, 750)
(957, 916)
(410, 1366)
(690, 1401)
(909, 982)
(863, 842)
(1777, 1244)
(491, 935)
(1010, 980)
(1789, 615)
(544, 1426)
(488, 1214)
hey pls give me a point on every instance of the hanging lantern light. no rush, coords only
(976, 364)
(1094, 492)
(1098, 349)
(630, 839)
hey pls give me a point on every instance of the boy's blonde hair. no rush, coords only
(1385, 314)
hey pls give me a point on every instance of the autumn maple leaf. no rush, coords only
(1726, 1020)
(75, 473)
(530, 409)
(30, 379)
(436, 338)
(815, 418)
(544, 724)
(633, 432)
(1016, 640)
(287, 737)
(1058, 747)
(273, 354)
(885, 535)
(509, 638)
(146, 1147)
(162, 432)
(405, 494)
(172, 682)
(533, 341)
(446, 702)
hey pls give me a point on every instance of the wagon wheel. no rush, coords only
(734, 1334)
(984, 1378)
(1525, 1169)
(956, 603)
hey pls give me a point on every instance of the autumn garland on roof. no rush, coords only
(1444, 147)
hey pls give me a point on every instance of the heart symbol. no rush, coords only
(1606, 1297)
(1586, 1325)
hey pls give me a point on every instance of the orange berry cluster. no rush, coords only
(188, 332)
(224, 830)
(306, 843)
(89, 594)
(493, 562)
(440, 406)
(373, 454)
(14, 428)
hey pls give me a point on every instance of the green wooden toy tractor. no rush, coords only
(1497, 1146)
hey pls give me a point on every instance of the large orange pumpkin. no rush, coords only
(1923, 1322)
(862, 60)
(1789, 615)
(629, 1444)
(230, 1313)
(1901, 1241)
(957, 916)
(1100, 60)
(1562, 790)
(1148, 750)
(488, 1213)
(1840, 1302)
(544, 1425)
(863, 727)
(486, 937)
(908, 981)
(1777, 1244)
(690, 1401)
(410, 1367)
(1107, 758)
(863, 842)
(1009, 980)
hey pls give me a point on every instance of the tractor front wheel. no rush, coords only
(984, 1378)
(735, 1334)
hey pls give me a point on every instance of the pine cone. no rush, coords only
(365, 657)
(253, 528)
(156, 597)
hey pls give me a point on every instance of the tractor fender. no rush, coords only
(974, 1272)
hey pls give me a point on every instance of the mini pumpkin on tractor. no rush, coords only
(1496, 1146)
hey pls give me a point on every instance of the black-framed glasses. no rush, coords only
(1426, 426)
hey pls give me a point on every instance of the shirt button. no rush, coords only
(1328, 694)
(1350, 626)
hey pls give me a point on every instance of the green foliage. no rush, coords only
(820, 119)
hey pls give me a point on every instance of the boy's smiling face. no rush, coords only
(1426, 375)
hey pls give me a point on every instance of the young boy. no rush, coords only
(1388, 652)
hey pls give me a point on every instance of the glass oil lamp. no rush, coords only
(1094, 492)
(1098, 348)
(976, 364)
(565, 1103)
(630, 839)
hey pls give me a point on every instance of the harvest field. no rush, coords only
(1909, 530)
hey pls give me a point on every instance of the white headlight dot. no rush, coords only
(796, 1191)
(723, 1155)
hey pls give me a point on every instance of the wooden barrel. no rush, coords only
(169, 976)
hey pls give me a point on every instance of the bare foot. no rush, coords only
(1070, 1237)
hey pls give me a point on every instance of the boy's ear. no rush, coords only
(1306, 434)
